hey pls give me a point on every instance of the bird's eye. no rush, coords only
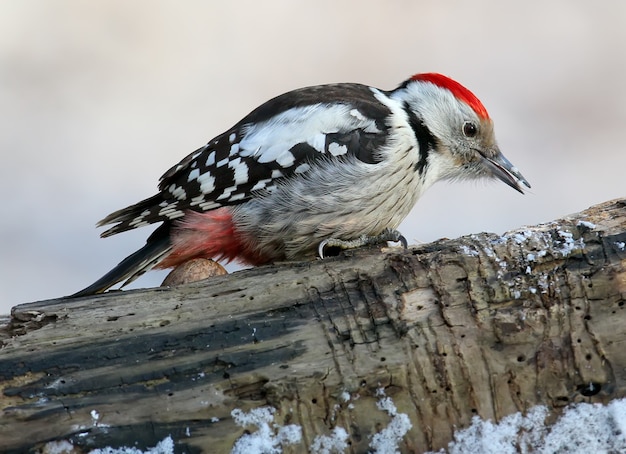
(470, 129)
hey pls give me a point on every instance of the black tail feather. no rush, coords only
(133, 266)
(125, 217)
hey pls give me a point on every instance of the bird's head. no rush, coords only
(463, 143)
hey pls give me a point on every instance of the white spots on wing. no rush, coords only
(268, 140)
(175, 214)
(269, 144)
(371, 128)
(367, 124)
(178, 167)
(170, 211)
(207, 183)
(145, 213)
(337, 150)
(198, 152)
(137, 223)
(286, 159)
(203, 203)
(163, 204)
(302, 168)
(358, 115)
(138, 220)
(178, 192)
(236, 197)
(261, 184)
(318, 141)
(270, 154)
(209, 205)
(240, 171)
(210, 160)
(197, 200)
(227, 192)
(245, 152)
(194, 174)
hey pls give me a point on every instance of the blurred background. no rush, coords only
(99, 98)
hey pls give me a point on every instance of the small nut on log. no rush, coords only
(192, 271)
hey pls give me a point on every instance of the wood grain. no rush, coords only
(482, 325)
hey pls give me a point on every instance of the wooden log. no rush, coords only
(482, 325)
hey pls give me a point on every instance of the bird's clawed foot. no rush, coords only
(364, 240)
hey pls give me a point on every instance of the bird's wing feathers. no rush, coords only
(284, 137)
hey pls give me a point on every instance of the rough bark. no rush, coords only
(482, 325)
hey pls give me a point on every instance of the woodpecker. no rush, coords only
(335, 164)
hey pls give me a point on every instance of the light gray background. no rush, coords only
(99, 98)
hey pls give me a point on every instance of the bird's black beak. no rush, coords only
(501, 168)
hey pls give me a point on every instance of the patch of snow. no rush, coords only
(589, 225)
(95, 418)
(165, 446)
(583, 428)
(386, 441)
(266, 440)
(256, 416)
(543, 283)
(58, 447)
(330, 444)
(520, 237)
(564, 243)
(502, 438)
(468, 251)
(495, 241)
(387, 404)
(569, 244)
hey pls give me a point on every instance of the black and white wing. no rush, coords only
(282, 138)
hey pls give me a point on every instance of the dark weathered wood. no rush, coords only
(484, 324)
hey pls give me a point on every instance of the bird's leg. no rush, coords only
(364, 240)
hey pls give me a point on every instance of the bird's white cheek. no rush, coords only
(440, 166)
